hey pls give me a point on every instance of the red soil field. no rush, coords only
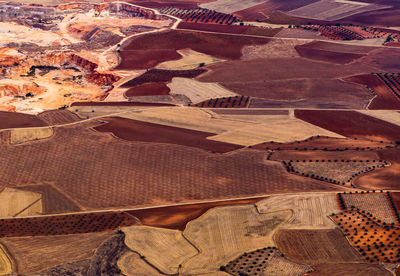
(176, 217)
(393, 44)
(58, 117)
(326, 144)
(200, 15)
(159, 75)
(385, 99)
(384, 59)
(230, 102)
(144, 59)
(396, 200)
(351, 124)
(323, 155)
(19, 120)
(143, 174)
(327, 56)
(389, 178)
(148, 89)
(133, 130)
(65, 224)
(385, 17)
(354, 269)
(376, 241)
(118, 104)
(220, 46)
(188, 4)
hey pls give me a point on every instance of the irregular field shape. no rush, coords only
(163, 248)
(5, 262)
(356, 269)
(284, 267)
(316, 246)
(58, 117)
(390, 116)
(19, 120)
(131, 264)
(275, 48)
(229, 6)
(224, 233)
(28, 252)
(148, 89)
(377, 204)
(326, 155)
(309, 211)
(327, 56)
(21, 135)
(13, 202)
(198, 91)
(133, 130)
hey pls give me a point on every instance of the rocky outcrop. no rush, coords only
(19, 88)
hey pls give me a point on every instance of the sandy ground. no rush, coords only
(190, 60)
(5, 262)
(131, 264)
(13, 202)
(390, 116)
(22, 135)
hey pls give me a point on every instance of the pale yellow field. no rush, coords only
(309, 211)
(13, 202)
(132, 265)
(5, 262)
(276, 48)
(390, 116)
(22, 135)
(190, 60)
(163, 248)
(224, 233)
(198, 91)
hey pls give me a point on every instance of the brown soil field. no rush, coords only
(143, 173)
(385, 17)
(33, 254)
(170, 3)
(143, 59)
(133, 130)
(326, 144)
(339, 48)
(159, 75)
(217, 45)
(148, 89)
(387, 178)
(396, 200)
(376, 241)
(58, 117)
(53, 201)
(351, 124)
(298, 33)
(316, 246)
(303, 93)
(230, 102)
(19, 120)
(327, 56)
(385, 99)
(382, 59)
(326, 155)
(118, 104)
(355, 269)
(176, 217)
(250, 112)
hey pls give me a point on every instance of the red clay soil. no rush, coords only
(218, 45)
(169, 3)
(388, 178)
(223, 111)
(19, 120)
(145, 59)
(229, 102)
(119, 104)
(354, 269)
(312, 155)
(133, 130)
(148, 89)
(176, 217)
(327, 56)
(65, 224)
(385, 99)
(351, 124)
(396, 200)
(393, 44)
(58, 117)
(159, 75)
(339, 48)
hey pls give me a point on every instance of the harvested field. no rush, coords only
(131, 264)
(6, 267)
(224, 233)
(387, 178)
(143, 173)
(265, 261)
(324, 155)
(58, 117)
(384, 99)
(198, 91)
(117, 104)
(216, 45)
(158, 75)
(298, 33)
(52, 200)
(351, 124)
(336, 172)
(327, 56)
(14, 202)
(29, 252)
(376, 241)
(355, 269)
(229, 6)
(273, 49)
(375, 203)
(19, 120)
(190, 60)
(163, 248)
(176, 217)
(22, 135)
(244, 112)
(316, 246)
(309, 211)
(148, 89)
(133, 130)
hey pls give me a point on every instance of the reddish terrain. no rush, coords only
(327, 56)
(118, 104)
(19, 120)
(351, 124)
(312, 155)
(58, 117)
(200, 15)
(133, 130)
(148, 89)
(145, 59)
(229, 102)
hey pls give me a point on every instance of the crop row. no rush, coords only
(225, 102)
(392, 81)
